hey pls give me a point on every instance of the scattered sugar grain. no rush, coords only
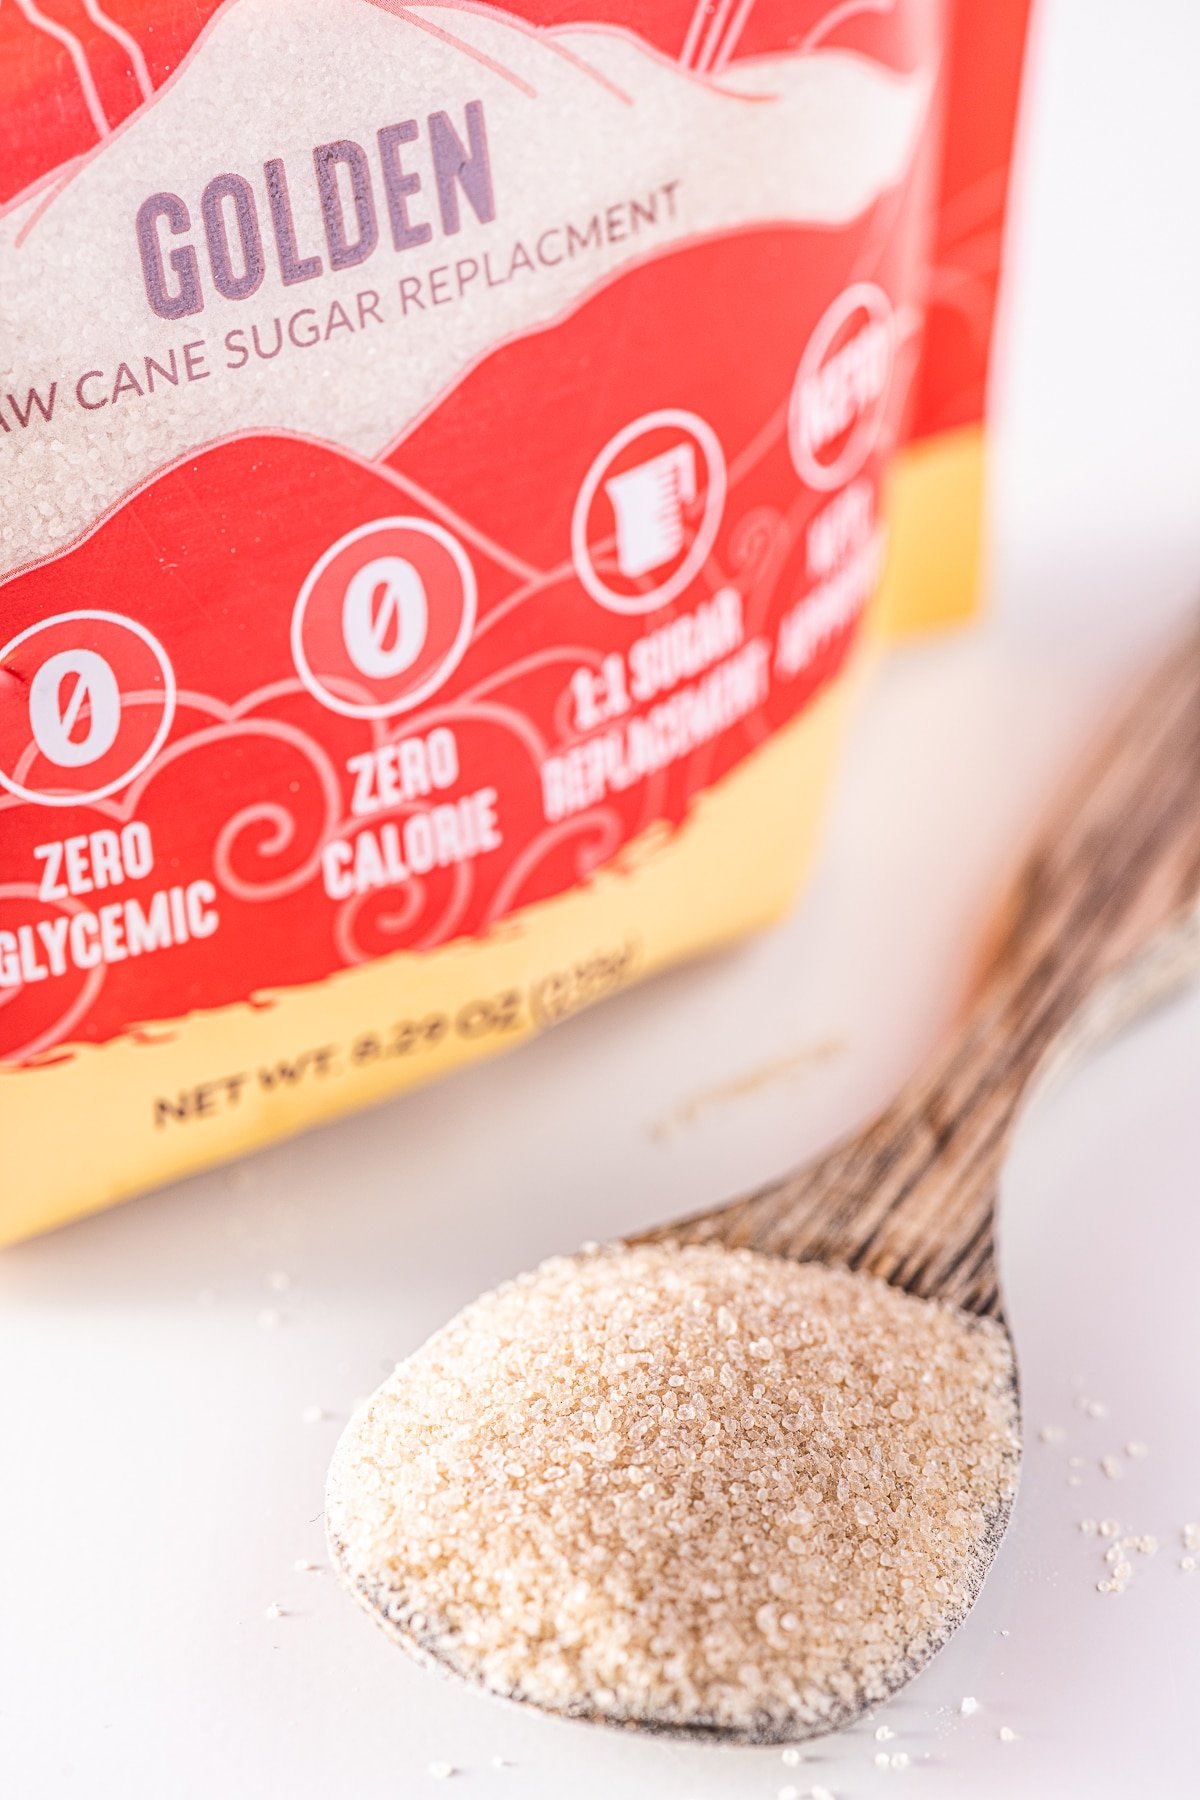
(789, 1792)
(1136, 1448)
(1191, 1537)
(1147, 1545)
(1187, 1564)
(968, 1704)
(883, 1733)
(821, 1793)
(1109, 1528)
(791, 1757)
(1051, 1434)
(773, 1554)
(1112, 1467)
(313, 1415)
(442, 1771)
(900, 1759)
(1006, 1734)
(274, 1611)
(1088, 1526)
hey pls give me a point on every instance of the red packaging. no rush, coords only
(449, 456)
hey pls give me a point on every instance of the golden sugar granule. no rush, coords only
(687, 1486)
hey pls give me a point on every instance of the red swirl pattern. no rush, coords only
(255, 778)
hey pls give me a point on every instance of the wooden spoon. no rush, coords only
(1106, 920)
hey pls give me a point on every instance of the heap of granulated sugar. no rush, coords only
(683, 1487)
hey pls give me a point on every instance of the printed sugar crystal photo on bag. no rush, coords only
(687, 505)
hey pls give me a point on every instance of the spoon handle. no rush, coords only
(1105, 919)
(1106, 915)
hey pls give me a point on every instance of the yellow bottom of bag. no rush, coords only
(117, 1118)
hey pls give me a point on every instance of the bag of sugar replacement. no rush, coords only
(453, 460)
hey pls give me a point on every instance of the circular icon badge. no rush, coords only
(841, 387)
(383, 618)
(86, 702)
(648, 512)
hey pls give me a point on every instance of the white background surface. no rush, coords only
(157, 1484)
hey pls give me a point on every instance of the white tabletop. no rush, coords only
(159, 1480)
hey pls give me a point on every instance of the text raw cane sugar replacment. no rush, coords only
(449, 460)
